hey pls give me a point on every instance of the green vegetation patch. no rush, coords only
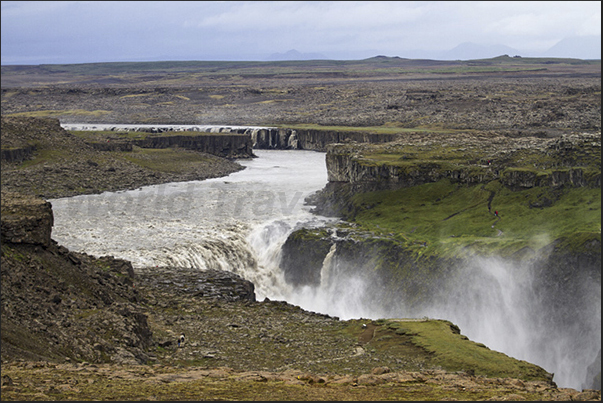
(165, 159)
(56, 113)
(453, 351)
(447, 217)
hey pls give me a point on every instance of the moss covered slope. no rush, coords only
(494, 195)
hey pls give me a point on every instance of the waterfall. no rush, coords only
(212, 254)
(239, 223)
(501, 304)
(342, 292)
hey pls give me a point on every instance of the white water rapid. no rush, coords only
(240, 222)
(236, 223)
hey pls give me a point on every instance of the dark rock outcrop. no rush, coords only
(17, 154)
(208, 284)
(58, 304)
(303, 255)
(222, 145)
(26, 220)
(387, 268)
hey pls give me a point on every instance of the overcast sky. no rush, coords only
(103, 31)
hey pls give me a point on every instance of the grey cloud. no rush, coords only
(72, 32)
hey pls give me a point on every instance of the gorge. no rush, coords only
(241, 222)
(460, 200)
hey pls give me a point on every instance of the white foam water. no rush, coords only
(236, 223)
(240, 222)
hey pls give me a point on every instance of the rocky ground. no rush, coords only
(66, 165)
(546, 98)
(48, 381)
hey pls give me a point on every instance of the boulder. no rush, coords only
(26, 219)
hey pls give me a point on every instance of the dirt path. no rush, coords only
(368, 333)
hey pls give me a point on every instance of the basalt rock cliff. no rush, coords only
(222, 145)
(518, 163)
(311, 139)
(60, 305)
(400, 274)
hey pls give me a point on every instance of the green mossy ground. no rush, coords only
(447, 217)
(454, 351)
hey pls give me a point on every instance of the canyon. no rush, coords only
(475, 158)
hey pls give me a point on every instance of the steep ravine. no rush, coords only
(551, 292)
(232, 141)
(164, 302)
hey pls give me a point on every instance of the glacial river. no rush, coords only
(239, 223)
(235, 223)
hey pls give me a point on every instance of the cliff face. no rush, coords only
(378, 188)
(311, 139)
(17, 154)
(570, 161)
(344, 165)
(26, 220)
(223, 145)
(350, 164)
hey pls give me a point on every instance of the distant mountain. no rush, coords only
(579, 47)
(582, 47)
(295, 55)
(464, 51)
(470, 51)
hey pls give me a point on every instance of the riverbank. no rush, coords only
(65, 165)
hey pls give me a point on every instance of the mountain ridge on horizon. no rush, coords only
(569, 47)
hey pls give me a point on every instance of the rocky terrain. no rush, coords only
(66, 165)
(509, 94)
(75, 326)
(81, 327)
(60, 304)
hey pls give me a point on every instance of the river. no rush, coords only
(240, 222)
(236, 223)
